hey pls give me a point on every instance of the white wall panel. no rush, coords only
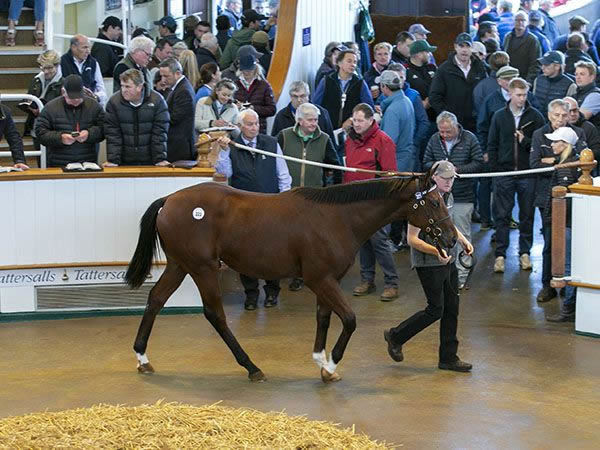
(330, 20)
(74, 221)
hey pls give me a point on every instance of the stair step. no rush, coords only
(19, 81)
(16, 60)
(27, 142)
(18, 70)
(24, 35)
(20, 50)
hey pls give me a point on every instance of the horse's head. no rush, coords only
(429, 213)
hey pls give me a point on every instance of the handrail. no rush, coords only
(103, 41)
(42, 151)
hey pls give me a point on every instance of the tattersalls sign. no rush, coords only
(53, 277)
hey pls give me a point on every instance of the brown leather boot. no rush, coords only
(389, 294)
(364, 288)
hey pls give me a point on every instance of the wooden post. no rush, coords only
(587, 164)
(559, 220)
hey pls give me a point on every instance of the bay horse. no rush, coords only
(312, 233)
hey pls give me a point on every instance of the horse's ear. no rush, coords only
(428, 177)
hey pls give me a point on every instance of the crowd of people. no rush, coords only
(512, 95)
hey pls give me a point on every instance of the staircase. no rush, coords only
(17, 67)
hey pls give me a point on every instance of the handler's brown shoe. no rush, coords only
(364, 288)
(389, 294)
(456, 366)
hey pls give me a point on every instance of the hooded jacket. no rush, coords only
(238, 38)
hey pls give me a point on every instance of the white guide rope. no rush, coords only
(391, 173)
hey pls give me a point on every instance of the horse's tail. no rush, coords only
(141, 263)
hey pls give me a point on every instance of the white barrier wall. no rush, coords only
(59, 232)
(585, 245)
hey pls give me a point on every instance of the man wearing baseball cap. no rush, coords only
(108, 55)
(439, 279)
(166, 29)
(250, 25)
(454, 81)
(70, 126)
(398, 120)
(552, 83)
(536, 23)
(421, 33)
(420, 71)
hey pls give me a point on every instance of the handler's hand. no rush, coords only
(109, 164)
(467, 246)
(163, 163)
(223, 142)
(443, 257)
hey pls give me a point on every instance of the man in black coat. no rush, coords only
(108, 55)
(9, 131)
(70, 126)
(540, 156)
(207, 51)
(286, 117)
(136, 124)
(509, 145)
(181, 137)
(453, 83)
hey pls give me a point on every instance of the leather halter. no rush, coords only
(433, 230)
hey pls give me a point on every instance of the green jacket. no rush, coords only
(239, 38)
(318, 148)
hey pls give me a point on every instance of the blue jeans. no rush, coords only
(570, 291)
(504, 201)
(39, 9)
(376, 249)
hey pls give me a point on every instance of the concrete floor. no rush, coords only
(534, 384)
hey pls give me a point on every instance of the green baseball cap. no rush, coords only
(421, 45)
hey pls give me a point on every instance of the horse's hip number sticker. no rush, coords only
(198, 213)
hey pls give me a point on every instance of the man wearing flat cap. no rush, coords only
(552, 83)
(108, 55)
(577, 24)
(454, 81)
(70, 126)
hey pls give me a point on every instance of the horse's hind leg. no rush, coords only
(330, 293)
(208, 285)
(323, 319)
(168, 282)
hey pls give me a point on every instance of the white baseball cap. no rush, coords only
(566, 134)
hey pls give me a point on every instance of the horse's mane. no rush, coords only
(355, 192)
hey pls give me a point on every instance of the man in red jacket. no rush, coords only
(367, 147)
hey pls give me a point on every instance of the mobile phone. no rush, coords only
(74, 134)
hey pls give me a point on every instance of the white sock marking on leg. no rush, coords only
(320, 358)
(330, 365)
(142, 359)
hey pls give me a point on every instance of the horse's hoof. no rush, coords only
(329, 377)
(145, 368)
(258, 377)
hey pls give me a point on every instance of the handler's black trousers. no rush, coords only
(440, 284)
(251, 287)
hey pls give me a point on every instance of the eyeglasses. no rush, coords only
(149, 55)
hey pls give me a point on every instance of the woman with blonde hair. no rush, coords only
(187, 58)
(218, 109)
(562, 144)
(46, 85)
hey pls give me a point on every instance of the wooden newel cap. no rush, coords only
(203, 139)
(559, 192)
(586, 156)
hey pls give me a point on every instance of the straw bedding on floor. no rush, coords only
(174, 425)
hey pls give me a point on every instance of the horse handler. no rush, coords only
(439, 278)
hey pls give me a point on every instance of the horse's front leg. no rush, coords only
(332, 296)
(323, 319)
(208, 284)
(168, 282)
